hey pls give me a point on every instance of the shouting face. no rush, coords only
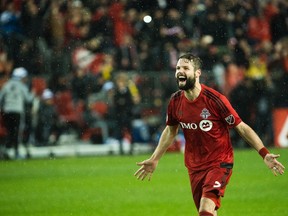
(185, 74)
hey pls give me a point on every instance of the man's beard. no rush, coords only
(190, 84)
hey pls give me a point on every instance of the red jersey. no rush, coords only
(205, 123)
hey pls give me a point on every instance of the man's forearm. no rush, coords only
(250, 136)
(167, 137)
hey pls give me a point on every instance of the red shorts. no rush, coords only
(210, 183)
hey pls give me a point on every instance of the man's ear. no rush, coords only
(198, 73)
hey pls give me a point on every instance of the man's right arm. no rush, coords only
(166, 139)
(148, 166)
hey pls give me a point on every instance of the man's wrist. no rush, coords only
(263, 152)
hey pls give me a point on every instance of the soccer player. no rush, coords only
(205, 116)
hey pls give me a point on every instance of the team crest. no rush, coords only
(230, 119)
(205, 113)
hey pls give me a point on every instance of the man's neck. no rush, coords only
(192, 94)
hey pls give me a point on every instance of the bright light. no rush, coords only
(147, 19)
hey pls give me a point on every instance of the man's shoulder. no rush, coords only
(212, 94)
(211, 91)
(176, 95)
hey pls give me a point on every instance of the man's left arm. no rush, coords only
(250, 136)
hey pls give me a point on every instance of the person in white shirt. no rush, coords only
(13, 96)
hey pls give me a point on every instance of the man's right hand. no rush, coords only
(147, 168)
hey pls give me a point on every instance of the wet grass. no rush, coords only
(106, 186)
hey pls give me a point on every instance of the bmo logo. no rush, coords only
(192, 126)
(204, 125)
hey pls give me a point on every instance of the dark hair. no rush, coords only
(195, 60)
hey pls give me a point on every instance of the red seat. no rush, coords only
(100, 129)
(67, 110)
(100, 107)
(3, 131)
(38, 85)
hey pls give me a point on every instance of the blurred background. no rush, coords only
(102, 71)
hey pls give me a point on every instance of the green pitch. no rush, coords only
(104, 186)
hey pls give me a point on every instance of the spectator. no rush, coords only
(80, 84)
(278, 68)
(75, 29)
(107, 67)
(10, 27)
(258, 29)
(13, 96)
(278, 23)
(189, 19)
(263, 110)
(55, 25)
(241, 52)
(48, 128)
(102, 26)
(241, 98)
(145, 57)
(128, 58)
(172, 30)
(10, 21)
(6, 62)
(123, 106)
(99, 111)
(32, 17)
(28, 57)
(122, 26)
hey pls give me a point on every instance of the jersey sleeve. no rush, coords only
(170, 116)
(229, 114)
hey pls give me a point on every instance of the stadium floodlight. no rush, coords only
(147, 19)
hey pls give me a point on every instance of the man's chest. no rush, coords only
(197, 116)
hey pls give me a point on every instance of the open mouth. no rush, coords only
(182, 78)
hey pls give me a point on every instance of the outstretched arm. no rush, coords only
(249, 135)
(148, 166)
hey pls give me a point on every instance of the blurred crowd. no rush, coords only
(77, 51)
